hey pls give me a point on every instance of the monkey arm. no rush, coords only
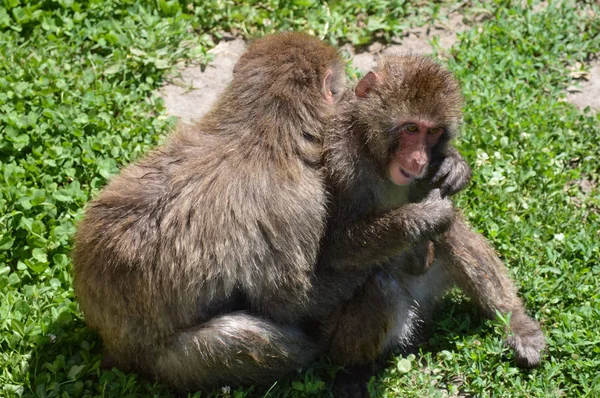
(479, 272)
(376, 238)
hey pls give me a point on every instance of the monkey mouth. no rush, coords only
(406, 174)
(399, 176)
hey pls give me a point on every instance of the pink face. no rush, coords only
(411, 159)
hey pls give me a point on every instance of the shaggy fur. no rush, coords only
(373, 221)
(194, 262)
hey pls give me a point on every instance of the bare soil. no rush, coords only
(587, 92)
(191, 93)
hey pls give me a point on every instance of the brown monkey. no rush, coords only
(187, 262)
(387, 147)
(196, 265)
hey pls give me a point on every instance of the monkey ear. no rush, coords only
(366, 84)
(327, 87)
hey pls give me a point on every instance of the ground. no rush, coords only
(588, 93)
(190, 93)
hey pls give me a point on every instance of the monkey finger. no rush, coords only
(451, 185)
(443, 171)
(456, 180)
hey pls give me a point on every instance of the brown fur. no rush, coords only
(373, 222)
(188, 262)
(371, 218)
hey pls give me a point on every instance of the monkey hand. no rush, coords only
(527, 340)
(453, 173)
(434, 215)
(418, 259)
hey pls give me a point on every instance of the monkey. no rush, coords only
(196, 265)
(387, 152)
(187, 260)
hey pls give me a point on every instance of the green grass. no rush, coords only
(77, 84)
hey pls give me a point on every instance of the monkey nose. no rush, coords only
(418, 167)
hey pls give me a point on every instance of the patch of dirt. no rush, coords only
(191, 94)
(457, 381)
(536, 7)
(416, 40)
(584, 185)
(364, 62)
(582, 196)
(588, 92)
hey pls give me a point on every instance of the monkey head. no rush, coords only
(410, 107)
(310, 74)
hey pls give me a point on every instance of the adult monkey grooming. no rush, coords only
(383, 140)
(186, 262)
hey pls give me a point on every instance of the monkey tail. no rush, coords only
(232, 349)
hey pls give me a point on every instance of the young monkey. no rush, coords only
(389, 164)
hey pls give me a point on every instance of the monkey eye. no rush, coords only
(412, 128)
(436, 130)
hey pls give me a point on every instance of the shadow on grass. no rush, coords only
(67, 363)
(454, 317)
(69, 360)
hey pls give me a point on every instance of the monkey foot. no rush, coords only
(352, 383)
(527, 340)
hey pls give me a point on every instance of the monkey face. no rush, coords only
(410, 104)
(411, 153)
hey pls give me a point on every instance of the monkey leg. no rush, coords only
(477, 270)
(379, 316)
(232, 349)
